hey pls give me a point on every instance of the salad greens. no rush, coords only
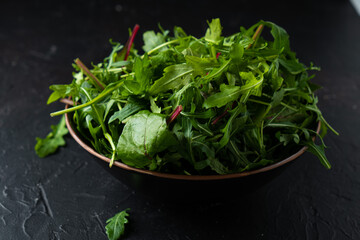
(53, 140)
(210, 105)
(115, 226)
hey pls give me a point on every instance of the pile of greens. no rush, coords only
(210, 105)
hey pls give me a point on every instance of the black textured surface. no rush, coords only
(68, 196)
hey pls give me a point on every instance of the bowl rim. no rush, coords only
(121, 165)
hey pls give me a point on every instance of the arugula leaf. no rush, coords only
(319, 151)
(62, 91)
(132, 106)
(213, 33)
(175, 76)
(145, 134)
(281, 38)
(293, 66)
(152, 40)
(227, 94)
(115, 226)
(54, 140)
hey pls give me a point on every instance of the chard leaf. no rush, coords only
(175, 76)
(145, 134)
(115, 226)
(54, 140)
(213, 33)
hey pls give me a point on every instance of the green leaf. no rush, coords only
(143, 73)
(200, 64)
(319, 151)
(252, 85)
(231, 93)
(228, 129)
(133, 106)
(286, 138)
(213, 33)
(145, 134)
(237, 52)
(281, 38)
(61, 91)
(217, 166)
(292, 66)
(152, 40)
(175, 77)
(115, 226)
(277, 97)
(54, 140)
(227, 94)
(217, 72)
(256, 165)
(275, 78)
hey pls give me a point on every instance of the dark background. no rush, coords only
(68, 196)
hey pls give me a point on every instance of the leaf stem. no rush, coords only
(94, 100)
(164, 44)
(131, 40)
(256, 35)
(88, 73)
(176, 113)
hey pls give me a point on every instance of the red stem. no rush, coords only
(176, 113)
(219, 117)
(223, 114)
(88, 73)
(131, 40)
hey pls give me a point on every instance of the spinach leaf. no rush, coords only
(145, 134)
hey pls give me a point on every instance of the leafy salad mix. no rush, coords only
(196, 106)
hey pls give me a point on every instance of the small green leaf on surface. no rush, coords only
(54, 140)
(115, 227)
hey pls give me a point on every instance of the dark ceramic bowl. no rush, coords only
(184, 188)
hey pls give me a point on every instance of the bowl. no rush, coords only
(187, 188)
